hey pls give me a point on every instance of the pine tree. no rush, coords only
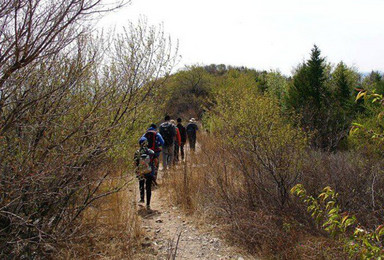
(308, 96)
(316, 77)
(343, 86)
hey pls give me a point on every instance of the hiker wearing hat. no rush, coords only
(191, 133)
(145, 170)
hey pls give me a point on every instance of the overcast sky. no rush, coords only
(267, 34)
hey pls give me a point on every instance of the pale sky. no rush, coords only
(260, 34)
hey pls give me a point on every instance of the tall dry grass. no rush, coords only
(212, 184)
(110, 228)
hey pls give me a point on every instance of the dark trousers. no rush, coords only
(147, 182)
(192, 143)
(179, 150)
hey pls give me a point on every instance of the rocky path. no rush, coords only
(169, 234)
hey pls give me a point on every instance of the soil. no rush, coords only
(170, 234)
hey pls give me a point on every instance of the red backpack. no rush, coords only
(151, 137)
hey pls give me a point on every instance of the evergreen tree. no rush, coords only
(344, 80)
(342, 103)
(309, 97)
(316, 78)
(307, 94)
(374, 82)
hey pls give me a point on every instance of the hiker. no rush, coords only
(183, 137)
(177, 142)
(155, 142)
(168, 132)
(144, 170)
(191, 133)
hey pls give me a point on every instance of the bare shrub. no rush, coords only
(357, 179)
(36, 29)
(211, 184)
(64, 116)
(315, 247)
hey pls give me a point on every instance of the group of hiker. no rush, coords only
(169, 140)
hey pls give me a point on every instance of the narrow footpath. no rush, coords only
(170, 234)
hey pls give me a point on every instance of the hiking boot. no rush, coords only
(141, 201)
(148, 208)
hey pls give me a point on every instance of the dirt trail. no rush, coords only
(167, 224)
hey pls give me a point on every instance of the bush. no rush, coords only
(64, 115)
(265, 149)
(247, 164)
(325, 209)
(356, 179)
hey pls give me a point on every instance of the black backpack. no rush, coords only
(168, 132)
(191, 130)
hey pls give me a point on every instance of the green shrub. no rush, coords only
(326, 211)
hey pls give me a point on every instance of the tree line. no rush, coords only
(319, 97)
(321, 128)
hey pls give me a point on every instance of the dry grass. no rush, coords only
(111, 227)
(211, 185)
(357, 179)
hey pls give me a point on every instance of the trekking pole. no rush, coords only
(185, 171)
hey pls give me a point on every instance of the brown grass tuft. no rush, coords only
(111, 227)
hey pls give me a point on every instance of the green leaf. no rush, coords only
(380, 230)
(333, 211)
(330, 204)
(360, 95)
(349, 222)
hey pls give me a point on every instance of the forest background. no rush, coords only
(73, 103)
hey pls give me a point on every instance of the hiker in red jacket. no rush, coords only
(177, 142)
(183, 136)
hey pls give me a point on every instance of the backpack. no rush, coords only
(151, 137)
(167, 131)
(144, 164)
(191, 130)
